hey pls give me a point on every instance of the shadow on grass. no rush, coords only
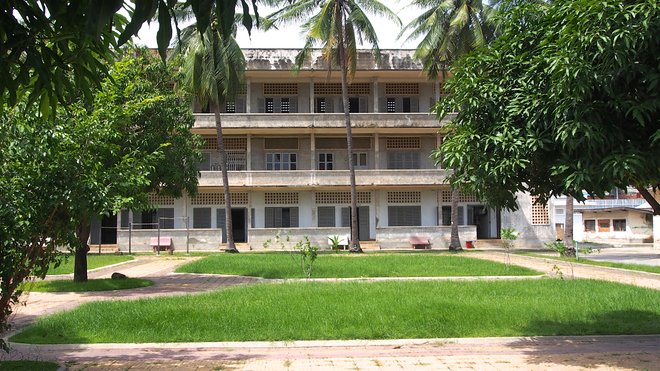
(628, 339)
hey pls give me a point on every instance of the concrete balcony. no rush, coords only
(326, 178)
(311, 121)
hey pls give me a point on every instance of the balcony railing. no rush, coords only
(313, 178)
(320, 120)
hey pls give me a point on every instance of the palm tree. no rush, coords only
(450, 29)
(337, 26)
(213, 68)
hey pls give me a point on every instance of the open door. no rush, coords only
(238, 221)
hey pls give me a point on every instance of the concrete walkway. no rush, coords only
(576, 270)
(538, 353)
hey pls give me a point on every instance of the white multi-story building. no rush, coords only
(288, 165)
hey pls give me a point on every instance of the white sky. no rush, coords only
(289, 36)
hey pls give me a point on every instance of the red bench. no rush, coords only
(418, 242)
(165, 243)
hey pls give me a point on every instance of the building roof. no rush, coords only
(284, 60)
(613, 209)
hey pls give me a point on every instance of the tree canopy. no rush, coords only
(566, 100)
(51, 50)
(57, 172)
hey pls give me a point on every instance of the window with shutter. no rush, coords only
(281, 217)
(446, 215)
(221, 222)
(95, 232)
(202, 217)
(326, 216)
(404, 215)
(461, 220)
(403, 160)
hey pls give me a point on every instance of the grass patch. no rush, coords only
(93, 261)
(105, 284)
(28, 366)
(286, 265)
(632, 267)
(362, 310)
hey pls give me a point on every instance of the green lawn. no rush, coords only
(362, 310)
(633, 267)
(28, 366)
(285, 265)
(91, 285)
(93, 261)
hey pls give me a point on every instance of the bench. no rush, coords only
(343, 240)
(164, 244)
(418, 242)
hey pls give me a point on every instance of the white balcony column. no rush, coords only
(248, 154)
(311, 96)
(375, 96)
(248, 97)
(376, 151)
(312, 148)
(437, 91)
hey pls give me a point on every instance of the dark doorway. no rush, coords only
(363, 221)
(238, 222)
(106, 229)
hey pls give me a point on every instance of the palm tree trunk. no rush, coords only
(80, 265)
(355, 237)
(231, 246)
(455, 242)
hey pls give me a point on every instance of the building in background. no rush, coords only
(288, 168)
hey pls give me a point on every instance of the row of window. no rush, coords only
(356, 104)
(326, 161)
(618, 225)
(287, 217)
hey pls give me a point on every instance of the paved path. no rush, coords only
(629, 255)
(576, 270)
(538, 353)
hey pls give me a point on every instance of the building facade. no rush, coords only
(288, 164)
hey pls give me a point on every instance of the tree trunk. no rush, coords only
(655, 205)
(568, 222)
(80, 267)
(455, 242)
(355, 237)
(231, 246)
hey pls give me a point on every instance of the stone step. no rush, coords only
(489, 243)
(369, 245)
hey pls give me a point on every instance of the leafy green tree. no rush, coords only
(214, 68)
(50, 50)
(34, 202)
(142, 144)
(337, 26)
(450, 29)
(566, 100)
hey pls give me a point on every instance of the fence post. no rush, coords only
(158, 243)
(130, 235)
